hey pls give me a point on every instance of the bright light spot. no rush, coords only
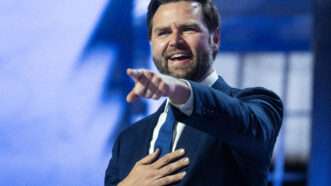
(140, 8)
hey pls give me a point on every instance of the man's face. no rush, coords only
(181, 44)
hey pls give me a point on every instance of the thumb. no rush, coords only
(131, 97)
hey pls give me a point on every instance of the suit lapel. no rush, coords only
(146, 133)
(191, 140)
(221, 85)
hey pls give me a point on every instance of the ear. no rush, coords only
(215, 39)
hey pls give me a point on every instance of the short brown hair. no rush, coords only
(210, 13)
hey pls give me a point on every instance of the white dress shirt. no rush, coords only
(186, 108)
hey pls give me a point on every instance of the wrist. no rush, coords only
(181, 93)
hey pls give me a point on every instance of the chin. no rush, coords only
(182, 75)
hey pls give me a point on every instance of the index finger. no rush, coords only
(168, 158)
(134, 73)
(149, 158)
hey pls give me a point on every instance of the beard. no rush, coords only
(196, 71)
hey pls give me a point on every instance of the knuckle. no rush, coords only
(166, 180)
(166, 160)
(170, 157)
(161, 85)
(173, 167)
(170, 169)
(148, 74)
(171, 179)
(160, 173)
(173, 154)
(152, 174)
(158, 79)
(152, 75)
(152, 89)
(152, 166)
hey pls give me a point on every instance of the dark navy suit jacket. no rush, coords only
(229, 137)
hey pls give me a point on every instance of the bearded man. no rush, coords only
(205, 133)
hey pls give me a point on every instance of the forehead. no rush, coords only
(177, 12)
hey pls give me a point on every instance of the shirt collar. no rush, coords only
(210, 79)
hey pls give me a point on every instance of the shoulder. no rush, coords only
(253, 96)
(253, 92)
(258, 95)
(220, 86)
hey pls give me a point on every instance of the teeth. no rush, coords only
(178, 56)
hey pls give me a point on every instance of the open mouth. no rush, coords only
(180, 57)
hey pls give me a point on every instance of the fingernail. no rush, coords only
(184, 173)
(182, 151)
(186, 159)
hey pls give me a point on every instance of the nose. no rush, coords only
(176, 38)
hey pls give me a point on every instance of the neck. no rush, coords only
(206, 74)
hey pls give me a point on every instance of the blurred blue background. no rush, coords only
(63, 82)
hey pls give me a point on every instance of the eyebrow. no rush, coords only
(159, 29)
(185, 25)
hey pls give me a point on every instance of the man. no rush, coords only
(221, 136)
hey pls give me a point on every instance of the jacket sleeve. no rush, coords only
(112, 172)
(248, 121)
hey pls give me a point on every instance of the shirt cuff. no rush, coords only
(187, 107)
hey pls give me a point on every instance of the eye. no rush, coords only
(190, 29)
(163, 33)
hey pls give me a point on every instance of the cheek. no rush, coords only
(158, 47)
(199, 43)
